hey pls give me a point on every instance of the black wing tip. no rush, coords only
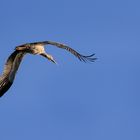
(88, 58)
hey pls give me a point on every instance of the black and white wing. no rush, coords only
(78, 55)
(10, 69)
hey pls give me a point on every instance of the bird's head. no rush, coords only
(49, 57)
(32, 48)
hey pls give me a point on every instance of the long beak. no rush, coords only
(48, 57)
(54, 61)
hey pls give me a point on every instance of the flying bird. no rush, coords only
(36, 48)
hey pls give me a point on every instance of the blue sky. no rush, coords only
(72, 101)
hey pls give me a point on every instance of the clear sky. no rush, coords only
(74, 100)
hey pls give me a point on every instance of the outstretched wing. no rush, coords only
(5, 84)
(9, 63)
(78, 55)
(10, 68)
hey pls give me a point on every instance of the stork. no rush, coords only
(14, 60)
